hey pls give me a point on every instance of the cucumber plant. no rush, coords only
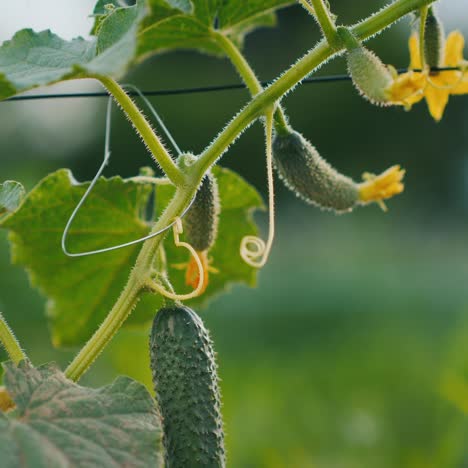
(213, 205)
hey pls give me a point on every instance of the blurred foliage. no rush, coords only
(353, 350)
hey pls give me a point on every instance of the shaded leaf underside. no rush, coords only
(58, 423)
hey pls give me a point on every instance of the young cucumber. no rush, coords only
(434, 39)
(201, 221)
(186, 385)
(307, 174)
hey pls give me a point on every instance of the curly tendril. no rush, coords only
(153, 285)
(254, 250)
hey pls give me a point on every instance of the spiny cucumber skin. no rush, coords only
(434, 38)
(201, 221)
(310, 177)
(370, 76)
(186, 384)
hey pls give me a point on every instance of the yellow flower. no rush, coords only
(439, 85)
(406, 89)
(191, 270)
(377, 188)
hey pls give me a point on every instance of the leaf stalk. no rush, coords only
(10, 342)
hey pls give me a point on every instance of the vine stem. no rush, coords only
(143, 127)
(326, 22)
(189, 180)
(248, 75)
(271, 116)
(308, 7)
(301, 69)
(130, 295)
(9, 341)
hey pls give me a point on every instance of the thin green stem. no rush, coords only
(189, 180)
(302, 68)
(143, 127)
(10, 343)
(308, 7)
(247, 74)
(327, 23)
(130, 295)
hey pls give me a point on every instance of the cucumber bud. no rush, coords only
(201, 221)
(370, 75)
(434, 40)
(308, 175)
(186, 384)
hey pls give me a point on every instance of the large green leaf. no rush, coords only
(58, 423)
(80, 291)
(32, 59)
(238, 202)
(125, 35)
(11, 195)
(190, 24)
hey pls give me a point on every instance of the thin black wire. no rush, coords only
(197, 90)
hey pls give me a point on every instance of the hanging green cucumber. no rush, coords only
(313, 179)
(434, 40)
(371, 77)
(201, 227)
(201, 220)
(186, 385)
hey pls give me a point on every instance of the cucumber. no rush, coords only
(434, 40)
(309, 176)
(201, 221)
(369, 74)
(186, 384)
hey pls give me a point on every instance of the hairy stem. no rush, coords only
(301, 69)
(143, 127)
(326, 22)
(248, 75)
(10, 343)
(308, 7)
(129, 297)
(189, 181)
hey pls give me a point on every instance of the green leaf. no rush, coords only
(58, 423)
(125, 35)
(11, 195)
(80, 291)
(238, 202)
(172, 24)
(31, 59)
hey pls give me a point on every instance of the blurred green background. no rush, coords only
(353, 350)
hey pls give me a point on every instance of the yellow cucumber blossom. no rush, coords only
(406, 89)
(439, 86)
(379, 83)
(377, 188)
(192, 275)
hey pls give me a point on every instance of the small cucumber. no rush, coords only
(186, 384)
(434, 39)
(370, 75)
(201, 221)
(309, 176)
